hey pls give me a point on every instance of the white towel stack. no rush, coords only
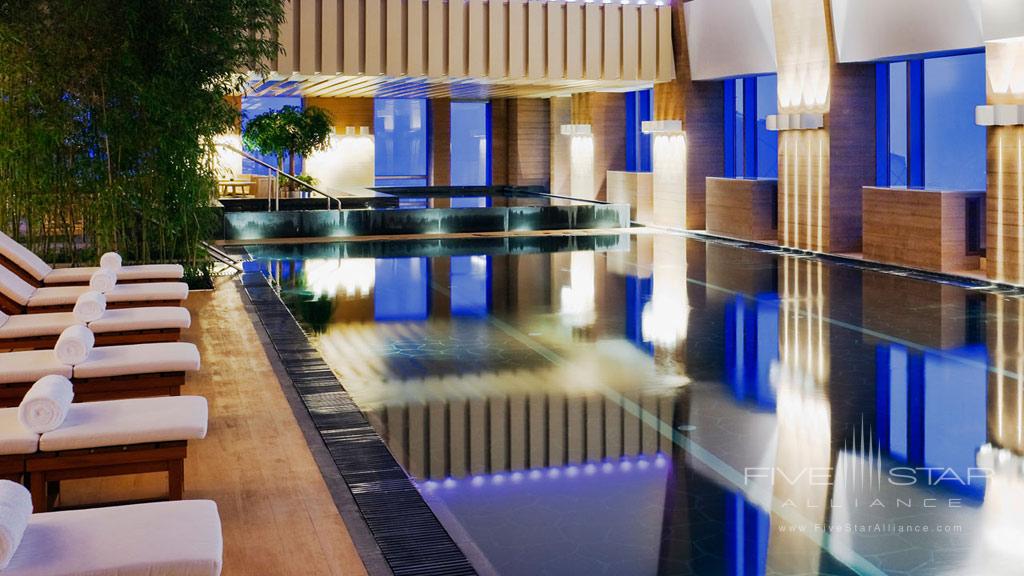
(111, 261)
(103, 280)
(46, 404)
(90, 306)
(15, 510)
(74, 344)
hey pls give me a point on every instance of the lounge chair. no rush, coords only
(107, 373)
(32, 269)
(163, 538)
(113, 328)
(18, 296)
(98, 439)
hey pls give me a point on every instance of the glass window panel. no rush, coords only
(954, 146)
(767, 142)
(898, 124)
(738, 128)
(470, 144)
(400, 137)
(253, 106)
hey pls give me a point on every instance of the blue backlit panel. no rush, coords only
(954, 146)
(401, 138)
(470, 144)
(767, 141)
(402, 289)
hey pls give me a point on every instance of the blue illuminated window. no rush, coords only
(253, 106)
(751, 151)
(470, 144)
(401, 140)
(639, 108)
(926, 135)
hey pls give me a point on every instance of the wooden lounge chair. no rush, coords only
(20, 297)
(166, 538)
(109, 372)
(113, 328)
(98, 439)
(32, 269)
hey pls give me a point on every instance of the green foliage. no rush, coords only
(289, 130)
(108, 109)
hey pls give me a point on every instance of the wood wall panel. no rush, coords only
(529, 149)
(1005, 198)
(499, 141)
(924, 229)
(561, 113)
(346, 112)
(742, 209)
(440, 141)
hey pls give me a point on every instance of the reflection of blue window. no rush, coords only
(470, 285)
(402, 289)
(253, 106)
(747, 545)
(470, 144)
(925, 130)
(638, 293)
(751, 345)
(401, 140)
(751, 151)
(639, 108)
(932, 407)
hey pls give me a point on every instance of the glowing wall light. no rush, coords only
(347, 163)
(802, 121)
(226, 162)
(577, 298)
(668, 167)
(581, 160)
(349, 277)
(999, 115)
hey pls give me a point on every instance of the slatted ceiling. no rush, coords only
(352, 38)
(331, 27)
(477, 38)
(648, 50)
(437, 44)
(666, 58)
(594, 42)
(416, 50)
(309, 34)
(574, 33)
(376, 35)
(396, 38)
(555, 40)
(536, 40)
(612, 54)
(286, 35)
(630, 50)
(517, 47)
(457, 53)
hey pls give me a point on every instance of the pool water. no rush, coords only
(665, 405)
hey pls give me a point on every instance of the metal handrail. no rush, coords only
(277, 204)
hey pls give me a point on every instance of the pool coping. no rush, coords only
(406, 534)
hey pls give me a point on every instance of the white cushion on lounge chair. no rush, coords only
(15, 438)
(31, 325)
(125, 273)
(126, 319)
(108, 361)
(132, 421)
(68, 295)
(30, 366)
(14, 287)
(157, 539)
(23, 257)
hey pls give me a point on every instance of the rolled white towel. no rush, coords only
(111, 261)
(15, 511)
(74, 344)
(46, 404)
(90, 306)
(103, 280)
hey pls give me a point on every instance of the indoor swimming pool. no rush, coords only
(657, 404)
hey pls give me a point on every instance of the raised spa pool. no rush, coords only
(653, 404)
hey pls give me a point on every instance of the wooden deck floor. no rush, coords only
(278, 516)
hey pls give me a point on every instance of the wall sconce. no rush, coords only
(576, 130)
(661, 127)
(804, 121)
(360, 131)
(999, 115)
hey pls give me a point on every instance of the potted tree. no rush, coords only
(297, 132)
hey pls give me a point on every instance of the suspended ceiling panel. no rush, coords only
(868, 30)
(729, 38)
(468, 48)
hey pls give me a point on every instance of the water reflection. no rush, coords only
(686, 408)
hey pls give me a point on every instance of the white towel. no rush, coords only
(74, 345)
(103, 280)
(90, 306)
(111, 261)
(15, 510)
(46, 404)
